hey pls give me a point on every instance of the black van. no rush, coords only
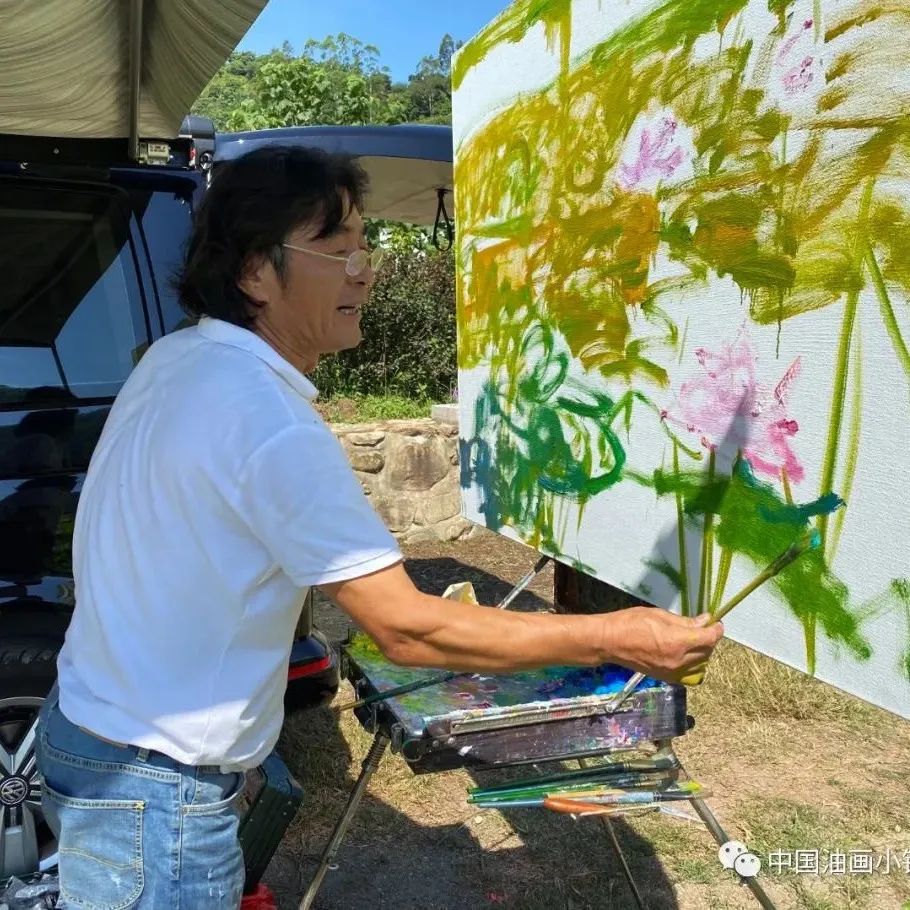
(88, 243)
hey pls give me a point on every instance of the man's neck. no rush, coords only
(303, 361)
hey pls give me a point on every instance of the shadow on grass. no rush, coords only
(401, 860)
(394, 856)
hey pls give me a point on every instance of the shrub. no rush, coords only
(408, 346)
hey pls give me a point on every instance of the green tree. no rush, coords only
(337, 80)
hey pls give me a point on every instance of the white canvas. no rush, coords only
(684, 303)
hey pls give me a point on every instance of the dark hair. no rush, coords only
(251, 206)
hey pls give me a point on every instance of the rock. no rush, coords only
(455, 529)
(442, 502)
(420, 535)
(368, 462)
(396, 511)
(415, 463)
(366, 438)
(445, 413)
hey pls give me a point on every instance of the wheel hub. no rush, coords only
(26, 842)
(13, 790)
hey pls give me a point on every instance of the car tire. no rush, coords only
(28, 669)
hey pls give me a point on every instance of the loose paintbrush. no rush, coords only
(685, 791)
(576, 807)
(807, 542)
(580, 787)
(634, 766)
(447, 675)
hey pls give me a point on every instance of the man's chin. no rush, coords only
(347, 340)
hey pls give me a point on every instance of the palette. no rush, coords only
(501, 720)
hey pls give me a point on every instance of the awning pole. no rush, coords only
(135, 65)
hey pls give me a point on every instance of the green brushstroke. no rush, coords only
(896, 599)
(839, 392)
(757, 523)
(509, 27)
(707, 541)
(723, 573)
(853, 435)
(751, 519)
(800, 514)
(891, 325)
(681, 544)
(668, 570)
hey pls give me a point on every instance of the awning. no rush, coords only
(65, 65)
(409, 166)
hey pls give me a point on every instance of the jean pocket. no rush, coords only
(216, 793)
(99, 850)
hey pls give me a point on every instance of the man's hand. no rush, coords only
(662, 644)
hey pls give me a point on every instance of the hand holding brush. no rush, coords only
(809, 541)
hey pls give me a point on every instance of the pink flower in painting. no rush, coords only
(725, 402)
(653, 151)
(798, 63)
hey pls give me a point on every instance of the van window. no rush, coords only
(72, 324)
(166, 223)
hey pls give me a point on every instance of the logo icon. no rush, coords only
(735, 855)
(13, 791)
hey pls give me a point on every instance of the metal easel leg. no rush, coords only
(713, 825)
(627, 872)
(608, 824)
(370, 764)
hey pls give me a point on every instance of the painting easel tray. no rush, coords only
(496, 721)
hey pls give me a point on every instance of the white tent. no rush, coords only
(111, 68)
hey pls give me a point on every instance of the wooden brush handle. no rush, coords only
(576, 807)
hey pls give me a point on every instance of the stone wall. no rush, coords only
(409, 471)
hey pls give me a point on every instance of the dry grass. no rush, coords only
(791, 763)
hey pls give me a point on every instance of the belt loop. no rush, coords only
(142, 755)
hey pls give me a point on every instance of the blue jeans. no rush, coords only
(136, 829)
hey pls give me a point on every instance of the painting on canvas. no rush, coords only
(684, 309)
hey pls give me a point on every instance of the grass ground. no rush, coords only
(363, 408)
(792, 765)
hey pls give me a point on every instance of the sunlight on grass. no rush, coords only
(743, 683)
(360, 409)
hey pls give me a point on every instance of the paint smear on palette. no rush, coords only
(479, 695)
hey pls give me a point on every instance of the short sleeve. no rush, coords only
(303, 501)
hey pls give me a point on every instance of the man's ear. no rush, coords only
(257, 278)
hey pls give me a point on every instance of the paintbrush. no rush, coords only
(447, 675)
(807, 542)
(685, 791)
(640, 766)
(576, 807)
(581, 787)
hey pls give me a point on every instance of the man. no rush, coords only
(215, 498)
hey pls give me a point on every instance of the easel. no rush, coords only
(381, 742)
(386, 732)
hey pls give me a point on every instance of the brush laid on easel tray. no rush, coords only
(581, 787)
(656, 765)
(687, 790)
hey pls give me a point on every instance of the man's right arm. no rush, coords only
(420, 630)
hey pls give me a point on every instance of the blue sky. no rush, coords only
(403, 30)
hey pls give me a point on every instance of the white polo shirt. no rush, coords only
(215, 497)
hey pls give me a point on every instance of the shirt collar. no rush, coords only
(227, 333)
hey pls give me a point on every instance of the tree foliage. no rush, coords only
(408, 346)
(338, 80)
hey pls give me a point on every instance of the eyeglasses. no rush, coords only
(353, 264)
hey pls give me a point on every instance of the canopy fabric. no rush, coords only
(65, 63)
(406, 164)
